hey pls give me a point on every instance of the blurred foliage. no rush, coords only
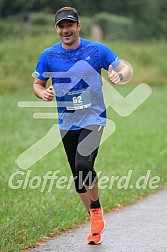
(86, 26)
(114, 26)
(148, 16)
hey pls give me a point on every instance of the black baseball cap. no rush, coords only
(66, 15)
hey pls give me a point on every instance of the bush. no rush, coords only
(19, 29)
(41, 18)
(86, 26)
(114, 26)
(27, 24)
(11, 28)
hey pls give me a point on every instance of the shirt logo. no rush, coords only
(87, 58)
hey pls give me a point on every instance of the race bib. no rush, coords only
(78, 99)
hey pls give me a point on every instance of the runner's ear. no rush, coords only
(79, 26)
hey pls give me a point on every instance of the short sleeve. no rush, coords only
(107, 57)
(42, 67)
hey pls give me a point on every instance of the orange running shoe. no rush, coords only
(96, 221)
(94, 239)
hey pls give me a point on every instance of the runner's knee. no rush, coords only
(84, 166)
(86, 173)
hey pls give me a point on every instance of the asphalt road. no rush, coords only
(140, 227)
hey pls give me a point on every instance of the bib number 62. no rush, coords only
(77, 99)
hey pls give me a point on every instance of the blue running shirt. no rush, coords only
(76, 78)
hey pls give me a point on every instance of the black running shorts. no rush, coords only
(81, 147)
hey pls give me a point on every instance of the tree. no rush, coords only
(146, 14)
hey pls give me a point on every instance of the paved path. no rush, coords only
(140, 227)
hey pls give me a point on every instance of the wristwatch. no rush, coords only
(120, 76)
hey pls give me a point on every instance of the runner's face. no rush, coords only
(68, 32)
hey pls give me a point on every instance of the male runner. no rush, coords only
(81, 109)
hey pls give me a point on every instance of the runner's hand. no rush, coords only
(48, 94)
(113, 75)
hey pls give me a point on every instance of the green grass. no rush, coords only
(139, 144)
